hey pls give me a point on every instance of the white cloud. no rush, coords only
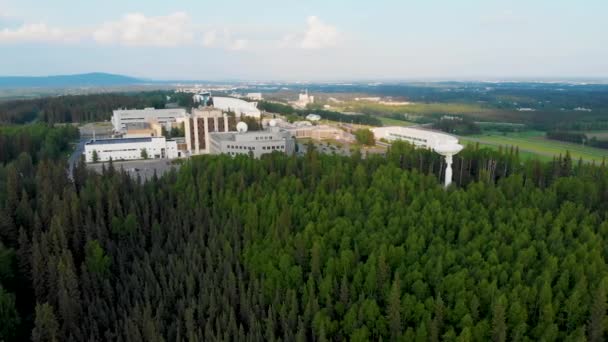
(138, 30)
(37, 33)
(319, 35)
(175, 30)
(239, 44)
(224, 39)
(209, 38)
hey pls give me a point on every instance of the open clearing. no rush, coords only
(534, 142)
(599, 135)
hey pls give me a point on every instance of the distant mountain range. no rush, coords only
(96, 79)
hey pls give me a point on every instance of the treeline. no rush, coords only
(76, 108)
(283, 109)
(577, 138)
(39, 141)
(460, 125)
(307, 248)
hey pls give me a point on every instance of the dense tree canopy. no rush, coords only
(38, 141)
(364, 136)
(307, 248)
(77, 108)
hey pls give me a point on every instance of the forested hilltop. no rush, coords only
(306, 248)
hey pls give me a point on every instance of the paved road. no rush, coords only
(78, 151)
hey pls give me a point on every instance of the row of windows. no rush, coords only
(252, 148)
(129, 149)
(239, 147)
(406, 137)
(273, 147)
(263, 138)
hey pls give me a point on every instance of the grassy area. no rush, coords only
(522, 154)
(534, 143)
(394, 122)
(374, 108)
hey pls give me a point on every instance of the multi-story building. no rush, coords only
(121, 118)
(130, 149)
(143, 130)
(202, 122)
(256, 143)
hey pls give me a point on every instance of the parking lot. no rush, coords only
(145, 169)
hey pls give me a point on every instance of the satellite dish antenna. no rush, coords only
(241, 127)
(273, 123)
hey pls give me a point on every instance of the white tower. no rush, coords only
(448, 150)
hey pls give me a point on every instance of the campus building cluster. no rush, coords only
(211, 128)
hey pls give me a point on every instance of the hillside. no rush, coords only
(79, 80)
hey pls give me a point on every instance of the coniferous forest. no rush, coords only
(313, 248)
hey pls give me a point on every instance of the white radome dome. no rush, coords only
(448, 148)
(241, 127)
(272, 123)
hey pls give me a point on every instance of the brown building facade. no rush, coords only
(200, 123)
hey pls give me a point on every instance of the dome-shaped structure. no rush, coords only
(272, 123)
(241, 127)
(446, 149)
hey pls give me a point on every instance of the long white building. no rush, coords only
(238, 106)
(121, 118)
(228, 104)
(130, 149)
(442, 143)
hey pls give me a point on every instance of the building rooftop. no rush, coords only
(119, 141)
(275, 134)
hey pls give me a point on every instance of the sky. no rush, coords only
(307, 40)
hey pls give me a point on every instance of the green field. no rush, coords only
(534, 144)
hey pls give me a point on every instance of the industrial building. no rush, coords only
(442, 143)
(121, 118)
(321, 132)
(256, 143)
(303, 100)
(254, 96)
(237, 106)
(130, 149)
(305, 129)
(202, 122)
(228, 104)
(143, 130)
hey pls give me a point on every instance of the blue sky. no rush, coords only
(307, 40)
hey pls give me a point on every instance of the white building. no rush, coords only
(238, 106)
(254, 96)
(228, 104)
(257, 143)
(442, 143)
(130, 149)
(303, 100)
(166, 117)
(313, 117)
